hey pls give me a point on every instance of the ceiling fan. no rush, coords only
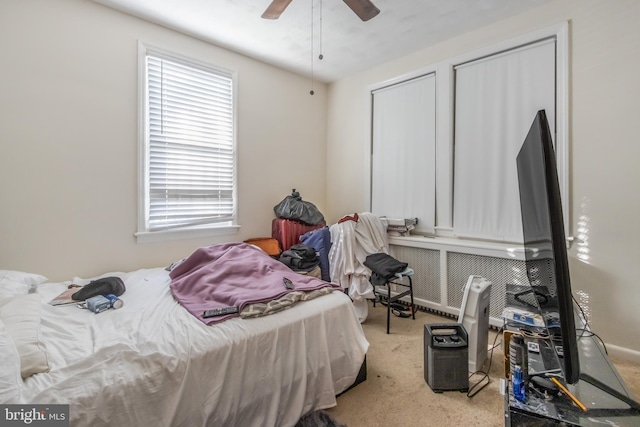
(363, 8)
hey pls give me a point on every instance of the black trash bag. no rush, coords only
(300, 257)
(102, 286)
(293, 207)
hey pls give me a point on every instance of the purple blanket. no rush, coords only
(233, 275)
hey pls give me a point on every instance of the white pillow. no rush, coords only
(21, 318)
(10, 380)
(13, 283)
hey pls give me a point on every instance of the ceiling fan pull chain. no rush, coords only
(311, 92)
(321, 56)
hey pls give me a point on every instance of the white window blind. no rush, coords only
(496, 99)
(190, 150)
(403, 152)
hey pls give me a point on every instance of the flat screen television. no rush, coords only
(546, 254)
(544, 239)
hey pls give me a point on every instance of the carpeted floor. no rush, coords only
(396, 392)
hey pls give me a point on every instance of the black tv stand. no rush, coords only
(599, 387)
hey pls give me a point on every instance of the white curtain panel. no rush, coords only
(403, 152)
(496, 99)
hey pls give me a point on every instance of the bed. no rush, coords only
(153, 363)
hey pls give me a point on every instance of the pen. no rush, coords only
(568, 393)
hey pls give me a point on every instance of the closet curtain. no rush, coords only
(496, 99)
(403, 151)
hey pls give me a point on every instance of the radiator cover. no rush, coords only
(441, 274)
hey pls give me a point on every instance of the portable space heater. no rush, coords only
(445, 357)
(474, 315)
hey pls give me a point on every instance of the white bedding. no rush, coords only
(151, 363)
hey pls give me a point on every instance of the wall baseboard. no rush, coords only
(624, 353)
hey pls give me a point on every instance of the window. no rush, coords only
(403, 151)
(445, 138)
(496, 100)
(188, 156)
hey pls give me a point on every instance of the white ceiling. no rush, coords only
(348, 44)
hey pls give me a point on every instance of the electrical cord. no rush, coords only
(485, 375)
(584, 318)
(587, 329)
(590, 333)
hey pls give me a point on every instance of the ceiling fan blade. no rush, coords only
(363, 8)
(275, 9)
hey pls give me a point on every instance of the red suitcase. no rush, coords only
(287, 231)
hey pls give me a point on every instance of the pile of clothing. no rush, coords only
(353, 238)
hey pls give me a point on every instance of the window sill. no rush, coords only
(186, 233)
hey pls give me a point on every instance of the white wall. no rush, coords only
(68, 127)
(68, 139)
(604, 149)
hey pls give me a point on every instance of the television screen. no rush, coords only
(544, 241)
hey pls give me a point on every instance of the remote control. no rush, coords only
(220, 311)
(288, 283)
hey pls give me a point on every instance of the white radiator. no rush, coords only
(443, 266)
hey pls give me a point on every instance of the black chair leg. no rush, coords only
(388, 307)
(413, 306)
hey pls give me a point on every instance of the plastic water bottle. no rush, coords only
(115, 301)
(518, 384)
